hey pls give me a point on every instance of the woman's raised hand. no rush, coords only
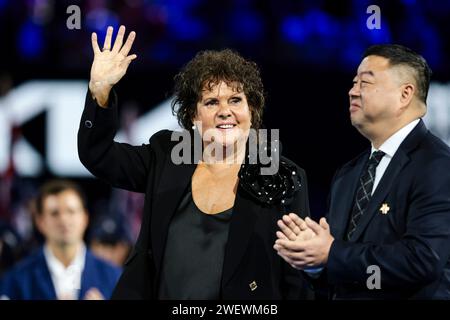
(110, 64)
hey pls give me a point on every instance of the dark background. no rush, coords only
(308, 52)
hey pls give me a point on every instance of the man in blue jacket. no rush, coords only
(63, 268)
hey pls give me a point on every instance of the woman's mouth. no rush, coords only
(226, 126)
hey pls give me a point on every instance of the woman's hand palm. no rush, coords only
(108, 68)
(111, 64)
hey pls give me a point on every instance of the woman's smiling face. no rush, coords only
(223, 113)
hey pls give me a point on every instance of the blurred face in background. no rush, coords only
(63, 219)
(115, 253)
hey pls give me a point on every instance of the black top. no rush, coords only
(194, 253)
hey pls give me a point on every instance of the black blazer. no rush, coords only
(411, 242)
(249, 255)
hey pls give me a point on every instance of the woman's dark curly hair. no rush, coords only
(208, 68)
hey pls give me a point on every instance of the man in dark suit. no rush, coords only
(388, 229)
(63, 268)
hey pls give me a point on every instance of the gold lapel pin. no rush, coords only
(385, 208)
(253, 286)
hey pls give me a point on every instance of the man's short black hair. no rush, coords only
(401, 55)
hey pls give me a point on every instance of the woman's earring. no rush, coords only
(194, 127)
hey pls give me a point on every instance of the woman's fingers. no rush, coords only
(107, 43)
(118, 48)
(127, 46)
(95, 46)
(126, 62)
(119, 39)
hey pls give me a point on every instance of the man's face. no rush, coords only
(224, 114)
(375, 95)
(63, 219)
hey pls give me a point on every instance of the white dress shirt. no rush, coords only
(390, 147)
(66, 281)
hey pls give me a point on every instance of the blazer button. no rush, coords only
(253, 285)
(88, 124)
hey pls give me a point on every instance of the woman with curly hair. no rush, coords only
(208, 226)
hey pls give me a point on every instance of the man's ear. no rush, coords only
(407, 93)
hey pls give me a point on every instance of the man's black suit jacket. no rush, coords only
(249, 255)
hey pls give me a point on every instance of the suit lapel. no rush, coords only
(43, 279)
(89, 276)
(400, 159)
(245, 215)
(174, 181)
(344, 190)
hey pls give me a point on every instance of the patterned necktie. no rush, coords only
(364, 192)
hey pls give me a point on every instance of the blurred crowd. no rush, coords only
(58, 244)
(171, 31)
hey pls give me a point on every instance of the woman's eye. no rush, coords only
(236, 100)
(210, 103)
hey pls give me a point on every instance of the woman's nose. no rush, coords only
(224, 111)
